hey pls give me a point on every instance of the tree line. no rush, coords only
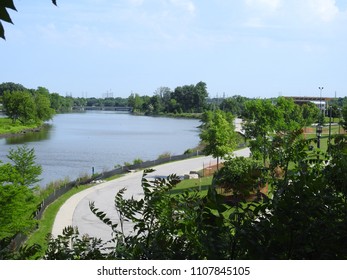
(302, 215)
(183, 99)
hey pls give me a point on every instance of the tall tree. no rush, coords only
(218, 134)
(24, 163)
(11, 87)
(310, 113)
(260, 118)
(19, 105)
(18, 199)
(135, 101)
(44, 112)
(344, 116)
(200, 96)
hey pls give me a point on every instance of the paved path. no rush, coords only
(76, 210)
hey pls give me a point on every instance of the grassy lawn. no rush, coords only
(201, 185)
(8, 127)
(45, 225)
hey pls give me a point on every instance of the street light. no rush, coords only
(330, 113)
(319, 130)
(320, 99)
(339, 120)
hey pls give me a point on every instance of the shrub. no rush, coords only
(164, 155)
(240, 175)
(137, 161)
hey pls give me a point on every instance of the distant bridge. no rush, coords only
(104, 108)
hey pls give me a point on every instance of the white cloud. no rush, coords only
(264, 5)
(260, 11)
(136, 2)
(294, 13)
(324, 10)
(187, 5)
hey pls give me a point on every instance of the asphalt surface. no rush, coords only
(76, 212)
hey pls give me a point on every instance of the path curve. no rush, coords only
(75, 211)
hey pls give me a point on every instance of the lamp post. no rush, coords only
(319, 127)
(320, 102)
(319, 130)
(320, 98)
(330, 113)
(339, 120)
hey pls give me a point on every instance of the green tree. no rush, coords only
(200, 96)
(260, 118)
(44, 112)
(305, 219)
(310, 113)
(18, 199)
(28, 107)
(190, 98)
(270, 126)
(11, 87)
(135, 101)
(336, 170)
(234, 105)
(344, 116)
(24, 163)
(19, 105)
(164, 96)
(57, 102)
(165, 226)
(218, 134)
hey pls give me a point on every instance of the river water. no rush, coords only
(73, 144)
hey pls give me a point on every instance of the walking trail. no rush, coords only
(76, 212)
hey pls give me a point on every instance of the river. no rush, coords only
(72, 144)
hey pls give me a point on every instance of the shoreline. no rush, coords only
(23, 131)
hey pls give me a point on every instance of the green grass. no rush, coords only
(8, 127)
(201, 185)
(45, 225)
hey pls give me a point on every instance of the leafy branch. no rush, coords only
(4, 15)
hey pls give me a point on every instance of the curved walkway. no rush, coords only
(75, 211)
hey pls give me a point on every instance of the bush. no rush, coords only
(137, 161)
(240, 175)
(165, 155)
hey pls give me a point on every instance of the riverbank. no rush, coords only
(10, 129)
(171, 115)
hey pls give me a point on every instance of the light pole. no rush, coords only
(330, 113)
(339, 120)
(320, 101)
(319, 127)
(319, 130)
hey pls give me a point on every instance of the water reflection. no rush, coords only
(75, 143)
(43, 134)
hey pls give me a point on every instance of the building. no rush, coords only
(320, 102)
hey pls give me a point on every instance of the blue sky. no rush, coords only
(254, 48)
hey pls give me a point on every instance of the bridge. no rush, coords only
(104, 108)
